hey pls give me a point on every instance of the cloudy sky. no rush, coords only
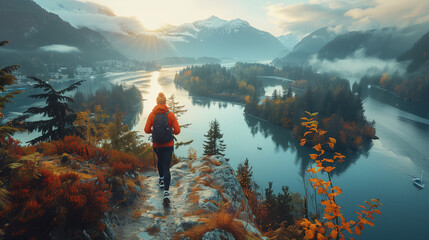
(278, 17)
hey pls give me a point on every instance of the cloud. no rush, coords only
(59, 48)
(92, 15)
(357, 66)
(304, 18)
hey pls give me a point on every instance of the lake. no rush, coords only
(383, 171)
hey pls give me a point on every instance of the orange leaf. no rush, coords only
(305, 134)
(362, 206)
(318, 147)
(320, 190)
(320, 236)
(313, 156)
(321, 132)
(312, 179)
(331, 145)
(332, 140)
(334, 233)
(357, 230)
(377, 211)
(329, 169)
(330, 225)
(309, 234)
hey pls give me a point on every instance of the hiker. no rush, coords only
(163, 124)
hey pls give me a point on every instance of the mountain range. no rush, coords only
(212, 37)
(42, 37)
(394, 44)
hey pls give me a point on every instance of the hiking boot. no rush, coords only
(161, 183)
(166, 198)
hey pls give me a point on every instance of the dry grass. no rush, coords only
(220, 220)
(153, 230)
(194, 197)
(216, 162)
(196, 212)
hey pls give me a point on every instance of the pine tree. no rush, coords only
(178, 111)
(8, 129)
(57, 109)
(214, 144)
(6, 78)
(244, 175)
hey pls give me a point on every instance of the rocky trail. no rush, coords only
(206, 203)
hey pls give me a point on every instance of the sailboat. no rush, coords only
(418, 181)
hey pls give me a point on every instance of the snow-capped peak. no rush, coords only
(238, 23)
(211, 22)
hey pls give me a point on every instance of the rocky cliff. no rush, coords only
(206, 203)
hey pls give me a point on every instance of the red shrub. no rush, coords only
(39, 204)
(121, 162)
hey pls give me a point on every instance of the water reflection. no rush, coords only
(387, 97)
(285, 141)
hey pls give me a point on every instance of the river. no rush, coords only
(383, 171)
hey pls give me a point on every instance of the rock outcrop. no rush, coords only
(206, 203)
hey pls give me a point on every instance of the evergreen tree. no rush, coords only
(119, 137)
(60, 116)
(214, 144)
(279, 207)
(6, 78)
(244, 175)
(8, 129)
(178, 110)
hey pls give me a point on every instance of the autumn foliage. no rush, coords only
(41, 200)
(334, 224)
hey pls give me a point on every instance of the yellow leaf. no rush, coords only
(304, 123)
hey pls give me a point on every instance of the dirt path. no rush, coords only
(201, 186)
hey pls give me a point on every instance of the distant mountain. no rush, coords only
(36, 33)
(216, 37)
(385, 43)
(212, 37)
(289, 40)
(142, 47)
(308, 46)
(418, 54)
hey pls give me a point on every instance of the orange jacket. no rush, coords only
(172, 122)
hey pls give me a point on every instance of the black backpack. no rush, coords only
(161, 132)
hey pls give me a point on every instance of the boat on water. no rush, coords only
(418, 181)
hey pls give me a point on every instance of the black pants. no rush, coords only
(164, 155)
